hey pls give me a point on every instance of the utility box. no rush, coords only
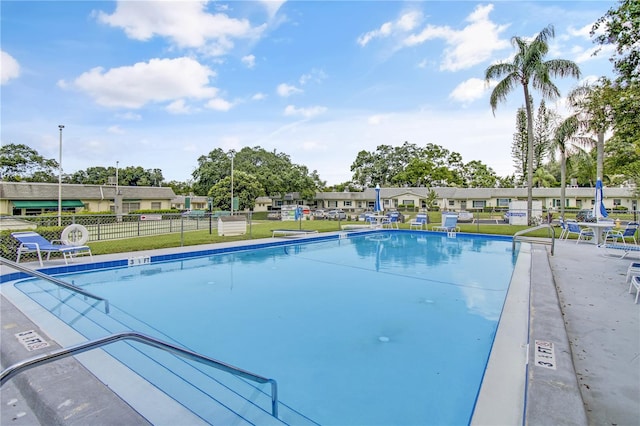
(518, 214)
(232, 225)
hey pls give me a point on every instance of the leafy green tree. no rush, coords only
(528, 67)
(275, 172)
(245, 186)
(181, 188)
(479, 175)
(92, 176)
(19, 162)
(621, 27)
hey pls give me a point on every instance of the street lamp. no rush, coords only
(232, 153)
(60, 179)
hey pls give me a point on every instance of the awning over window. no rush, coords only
(45, 204)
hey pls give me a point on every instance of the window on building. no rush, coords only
(332, 204)
(452, 203)
(503, 202)
(479, 204)
(617, 202)
(129, 207)
(408, 202)
(156, 205)
(348, 203)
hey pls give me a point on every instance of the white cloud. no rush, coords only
(186, 23)
(272, 6)
(249, 61)
(469, 90)
(378, 119)
(315, 75)
(406, 22)
(116, 130)
(9, 67)
(130, 116)
(259, 96)
(219, 104)
(474, 44)
(178, 107)
(286, 90)
(291, 110)
(158, 80)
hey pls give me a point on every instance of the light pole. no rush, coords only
(232, 153)
(61, 126)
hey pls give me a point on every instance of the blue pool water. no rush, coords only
(386, 328)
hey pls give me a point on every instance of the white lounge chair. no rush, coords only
(419, 222)
(32, 242)
(450, 224)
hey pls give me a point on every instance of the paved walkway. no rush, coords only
(602, 327)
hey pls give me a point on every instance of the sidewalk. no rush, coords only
(603, 327)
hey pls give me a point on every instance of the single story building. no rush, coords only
(32, 198)
(27, 198)
(457, 199)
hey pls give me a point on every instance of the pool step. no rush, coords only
(206, 391)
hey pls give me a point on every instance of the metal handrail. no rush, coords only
(535, 228)
(54, 280)
(11, 371)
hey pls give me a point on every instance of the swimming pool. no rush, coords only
(385, 328)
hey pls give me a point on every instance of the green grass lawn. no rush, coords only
(263, 229)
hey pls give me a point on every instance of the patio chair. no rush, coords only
(584, 234)
(32, 242)
(635, 282)
(563, 227)
(450, 224)
(419, 222)
(628, 232)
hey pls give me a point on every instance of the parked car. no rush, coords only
(274, 216)
(362, 217)
(319, 214)
(465, 216)
(585, 216)
(336, 214)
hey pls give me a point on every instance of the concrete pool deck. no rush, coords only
(577, 290)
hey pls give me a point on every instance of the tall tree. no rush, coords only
(545, 123)
(562, 137)
(519, 144)
(592, 105)
(528, 67)
(19, 162)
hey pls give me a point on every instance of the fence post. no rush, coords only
(181, 231)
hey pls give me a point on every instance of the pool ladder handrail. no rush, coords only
(518, 236)
(54, 280)
(29, 363)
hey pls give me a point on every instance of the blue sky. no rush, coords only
(158, 84)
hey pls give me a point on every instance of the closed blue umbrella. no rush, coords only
(377, 206)
(599, 211)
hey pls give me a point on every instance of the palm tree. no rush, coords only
(528, 67)
(542, 178)
(594, 112)
(563, 134)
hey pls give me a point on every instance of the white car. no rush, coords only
(465, 216)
